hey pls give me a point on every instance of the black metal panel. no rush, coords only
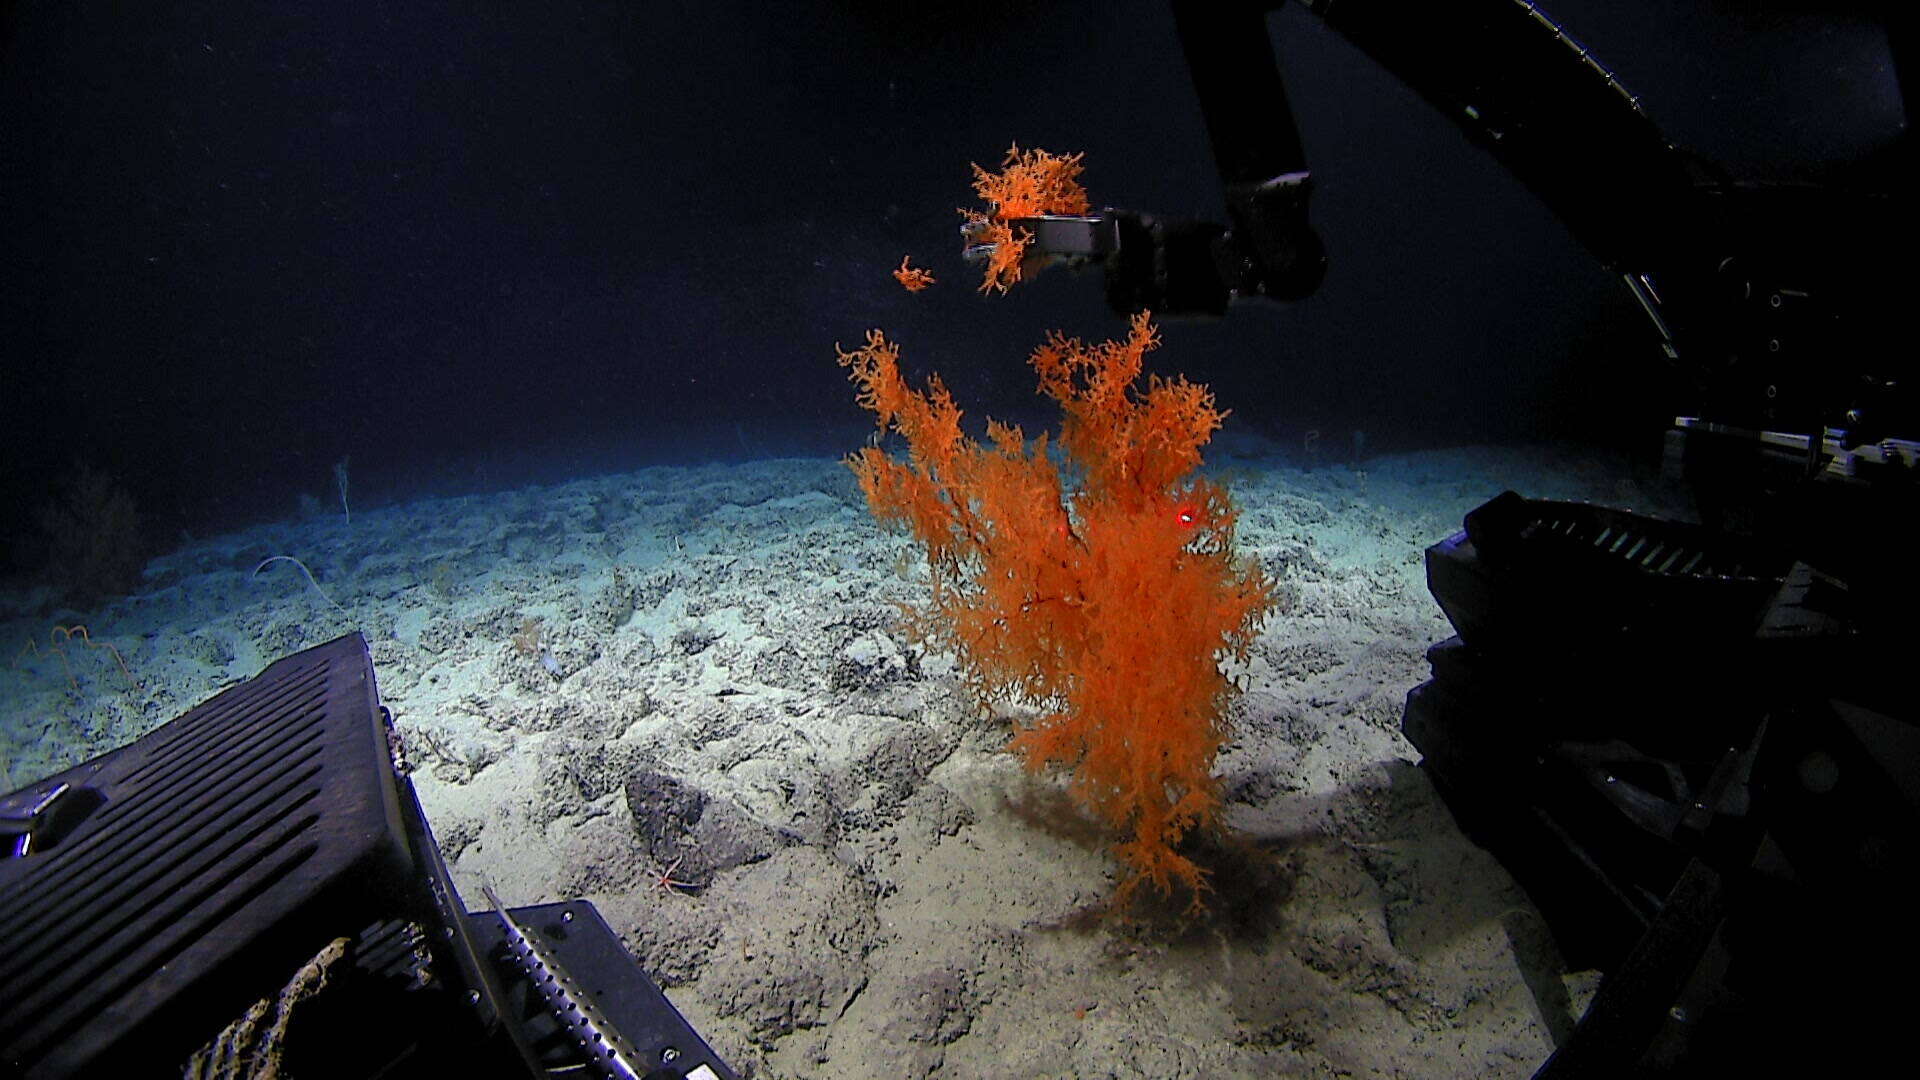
(225, 849)
(1561, 589)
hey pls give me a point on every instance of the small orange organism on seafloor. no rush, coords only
(1029, 183)
(912, 277)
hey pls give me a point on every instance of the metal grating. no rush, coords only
(231, 843)
(1639, 549)
(1660, 548)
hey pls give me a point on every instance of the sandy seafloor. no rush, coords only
(697, 671)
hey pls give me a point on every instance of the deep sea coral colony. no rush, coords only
(1097, 582)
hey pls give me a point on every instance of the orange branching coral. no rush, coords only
(1029, 182)
(913, 278)
(1109, 602)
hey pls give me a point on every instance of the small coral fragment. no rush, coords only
(913, 278)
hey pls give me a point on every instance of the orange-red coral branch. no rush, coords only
(912, 278)
(1110, 607)
(1029, 183)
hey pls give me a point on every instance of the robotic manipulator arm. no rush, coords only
(1767, 298)
(1184, 267)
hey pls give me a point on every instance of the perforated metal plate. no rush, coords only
(209, 858)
